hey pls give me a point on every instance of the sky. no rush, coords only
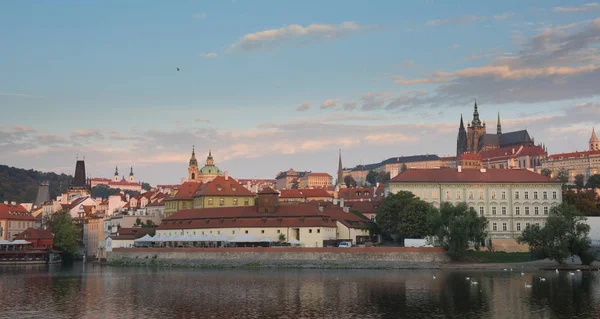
(273, 85)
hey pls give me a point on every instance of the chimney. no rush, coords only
(321, 208)
(5, 202)
(513, 150)
(346, 210)
(482, 170)
(13, 203)
(226, 176)
(459, 168)
(127, 197)
(341, 202)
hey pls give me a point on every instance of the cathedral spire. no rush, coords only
(461, 140)
(193, 160)
(340, 173)
(476, 120)
(131, 171)
(462, 125)
(499, 126)
(116, 171)
(594, 144)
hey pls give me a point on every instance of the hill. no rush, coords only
(21, 185)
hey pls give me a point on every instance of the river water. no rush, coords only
(87, 291)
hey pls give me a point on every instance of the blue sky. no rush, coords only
(270, 85)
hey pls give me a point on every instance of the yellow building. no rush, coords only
(182, 199)
(312, 180)
(223, 191)
(94, 236)
(14, 219)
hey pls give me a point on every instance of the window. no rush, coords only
(310, 231)
(526, 225)
(262, 231)
(503, 210)
(526, 195)
(527, 210)
(535, 195)
(184, 205)
(279, 231)
(545, 210)
(537, 224)
(246, 202)
(503, 195)
(481, 210)
(504, 227)
(518, 226)
(517, 210)
(545, 195)
(470, 195)
(210, 201)
(480, 195)
(494, 210)
(246, 232)
(457, 194)
(536, 210)
(318, 231)
(494, 227)
(221, 201)
(218, 232)
(235, 202)
(516, 195)
(448, 195)
(233, 232)
(434, 195)
(424, 195)
(372, 218)
(553, 195)
(493, 195)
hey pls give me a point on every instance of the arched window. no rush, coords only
(193, 175)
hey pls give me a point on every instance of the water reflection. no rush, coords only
(93, 292)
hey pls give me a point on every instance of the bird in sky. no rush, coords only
(177, 69)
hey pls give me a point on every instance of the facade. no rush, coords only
(43, 195)
(586, 163)
(469, 160)
(14, 219)
(81, 207)
(393, 166)
(287, 179)
(519, 156)
(182, 199)
(94, 236)
(205, 174)
(39, 238)
(118, 183)
(475, 139)
(315, 180)
(223, 191)
(79, 187)
(255, 185)
(509, 199)
(316, 194)
(124, 237)
(360, 194)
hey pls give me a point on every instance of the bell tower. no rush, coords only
(594, 144)
(193, 167)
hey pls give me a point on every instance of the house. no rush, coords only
(39, 238)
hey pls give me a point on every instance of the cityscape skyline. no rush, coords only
(271, 86)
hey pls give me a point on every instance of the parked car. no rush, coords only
(345, 244)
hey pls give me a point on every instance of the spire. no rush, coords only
(116, 171)
(499, 126)
(131, 171)
(476, 121)
(594, 143)
(461, 141)
(340, 177)
(193, 160)
(462, 125)
(209, 159)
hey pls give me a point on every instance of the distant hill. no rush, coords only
(21, 185)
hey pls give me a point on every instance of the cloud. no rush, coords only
(329, 104)
(454, 46)
(504, 16)
(200, 16)
(210, 55)
(350, 105)
(27, 96)
(303, 107)
(468, 19)
(293, 34)
(23, 128)
(202, 119)
(583, 8)
(389, 138)
(372, 100)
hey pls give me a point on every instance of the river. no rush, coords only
(87, 291)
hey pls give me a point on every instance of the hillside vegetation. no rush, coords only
(21, 185)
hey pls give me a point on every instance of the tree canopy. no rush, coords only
(564, 234)
(146, 186)
(586, 201)
(21, 185)
(594, 181)
(349, 181)
(104, 191)
(374, 177)
(402, 215)
(67, 237)
(403, 168)
(579, 181)
(546, 172)
(563, 176)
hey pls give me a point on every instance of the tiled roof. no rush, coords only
(347, 219)
(186, 191)
(356, 193)
(268, 190)
(410, 159)
(123, 182)
(99, 179)
(220, 186)
(256, 181)
(507, 152)
(315, 192)
(470, 156)
(33, 233)
(451, 175)
(573, 155)
(319, 175)
(364, 207)
(290, 193)
(17, 212)
(131, 233)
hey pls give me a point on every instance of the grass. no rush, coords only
(483, 257)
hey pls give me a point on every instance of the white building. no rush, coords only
(586, 163)
(510, 199)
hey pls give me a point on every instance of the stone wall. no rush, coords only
(375, 257)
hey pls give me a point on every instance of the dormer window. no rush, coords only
(233, 189)
(219, 189)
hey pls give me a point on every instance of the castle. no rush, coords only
(475, 138)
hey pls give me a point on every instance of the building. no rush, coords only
(79, 187)
(475, 138)
(255, 185)
(511, 199)
(14, 219)
(291, 196)
(167, 188)
(367, 208)
(124, 237)
(316, 194)
(81, 207)
(469, 160)
(519, 156)
(94, 236)
(393, 166)
(39, 238)
(205, 174)
(360, 194)
(448, 161)
(118, 183)
(586, 163)
(182, 198)
(315, 180)
(289, 179)
(223, 191)
(43, 195)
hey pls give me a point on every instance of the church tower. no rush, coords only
(131, 178)
(476, 131)
(116, 177)
(340, 172)
(193, 167)
(594, 144)
(498, 127)
(461, 141)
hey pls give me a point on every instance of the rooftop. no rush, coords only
(451, 175)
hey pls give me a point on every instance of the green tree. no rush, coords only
(149, 224)
(281, 237)
(579, 181)
(586, 201)
(66, 235)
(594, 181)
(146, 186)
(383, 177)
(372, 177)
(403, 168)
(458, 227)
(402, 215)
(295, 184)
(546, 172)
(563, 176)
(565, 233)
(349, 181)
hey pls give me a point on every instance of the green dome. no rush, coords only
(209, 170)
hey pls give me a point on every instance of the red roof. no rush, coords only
(364, 207)
(99, 179)
(573, 155)
(315, 192)
(256, 181)
(14, 212)
(356, 193)
(491, 175)
(123, 182)
(132, 233)
(319, 174)
(222, 186)
(348, 219)
(469, 156)
(507, 152)
(290, 193)
(33, 233)
(187, 190)
(268, 190)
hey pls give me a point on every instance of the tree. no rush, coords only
(594, 181)
(349, 181)
(546, 172)
(402, 215)
(66, 235)
(146, 187)
(295, 184)
(563, 176)
(383, 177)
(403, 168)
(458, 227)
(281, 237)
(565, 233)
(372, 177)
(586, 201)
(579, 181)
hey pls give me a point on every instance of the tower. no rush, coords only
(340, 172)
(193, 167)
(116, 177)
(476, 131)
(131, 179)
(268, 200)
(209, 159)
(461, 140)
(594, 144)
(498, 126)
(79, 186)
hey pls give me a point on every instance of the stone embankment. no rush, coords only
(356, 258)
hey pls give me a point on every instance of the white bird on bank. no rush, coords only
(434, 277)
(556, 270)
(572, 273)
(542, 279)
(578, 270)
(468, 278)
(522, 274)
(474, 283)
(527, 286)
(505, 269)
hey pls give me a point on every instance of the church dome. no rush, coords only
(209, 170)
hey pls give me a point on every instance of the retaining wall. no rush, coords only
(372, 257)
